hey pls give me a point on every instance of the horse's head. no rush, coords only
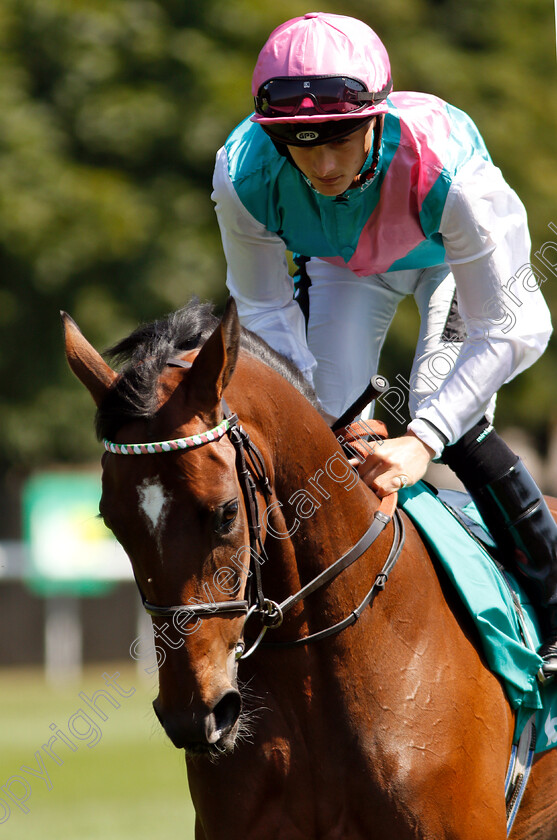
(180, 514)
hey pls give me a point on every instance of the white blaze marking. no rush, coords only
(152, 501)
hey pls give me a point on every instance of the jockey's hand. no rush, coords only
(395, 463)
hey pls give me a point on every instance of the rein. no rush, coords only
(250, 463)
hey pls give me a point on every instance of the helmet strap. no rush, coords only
(282, 149)
(362, 177)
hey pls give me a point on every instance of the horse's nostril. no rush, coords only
(223, 717)
(197, 731)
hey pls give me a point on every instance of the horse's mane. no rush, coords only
(146, 351)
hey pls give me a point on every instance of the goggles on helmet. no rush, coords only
(299, 96)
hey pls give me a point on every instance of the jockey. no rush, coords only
(381, 195)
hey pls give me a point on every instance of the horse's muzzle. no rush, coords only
(203, 733)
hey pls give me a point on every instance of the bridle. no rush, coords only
(250, 467)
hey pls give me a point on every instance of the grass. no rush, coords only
(129, 784)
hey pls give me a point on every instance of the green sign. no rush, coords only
(70, 550)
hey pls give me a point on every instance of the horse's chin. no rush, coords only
(220, 749)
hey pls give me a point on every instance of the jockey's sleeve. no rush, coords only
(257, 274)
(508, 324)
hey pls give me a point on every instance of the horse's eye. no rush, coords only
(226, 516)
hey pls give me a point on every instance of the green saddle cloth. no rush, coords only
(487, 594)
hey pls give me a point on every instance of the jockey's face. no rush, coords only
(332, 167)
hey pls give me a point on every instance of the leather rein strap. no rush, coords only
(251, 473)
(381, 519)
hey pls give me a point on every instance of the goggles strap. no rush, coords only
(379, 95)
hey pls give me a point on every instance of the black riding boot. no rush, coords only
(514, 510)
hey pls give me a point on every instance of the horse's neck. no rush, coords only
(318, 512)
(312, 471)
(320, 507)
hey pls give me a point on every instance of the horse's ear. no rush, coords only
(215, 362)
(88, 365)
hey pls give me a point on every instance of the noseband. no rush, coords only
(251, 471)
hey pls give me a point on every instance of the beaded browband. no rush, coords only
(169, 445)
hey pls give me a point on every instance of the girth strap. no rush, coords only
(518, 773)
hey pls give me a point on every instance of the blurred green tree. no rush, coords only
(111, 112)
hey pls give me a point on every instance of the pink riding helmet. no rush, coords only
(324, 49)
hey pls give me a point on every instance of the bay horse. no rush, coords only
(390, 727)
